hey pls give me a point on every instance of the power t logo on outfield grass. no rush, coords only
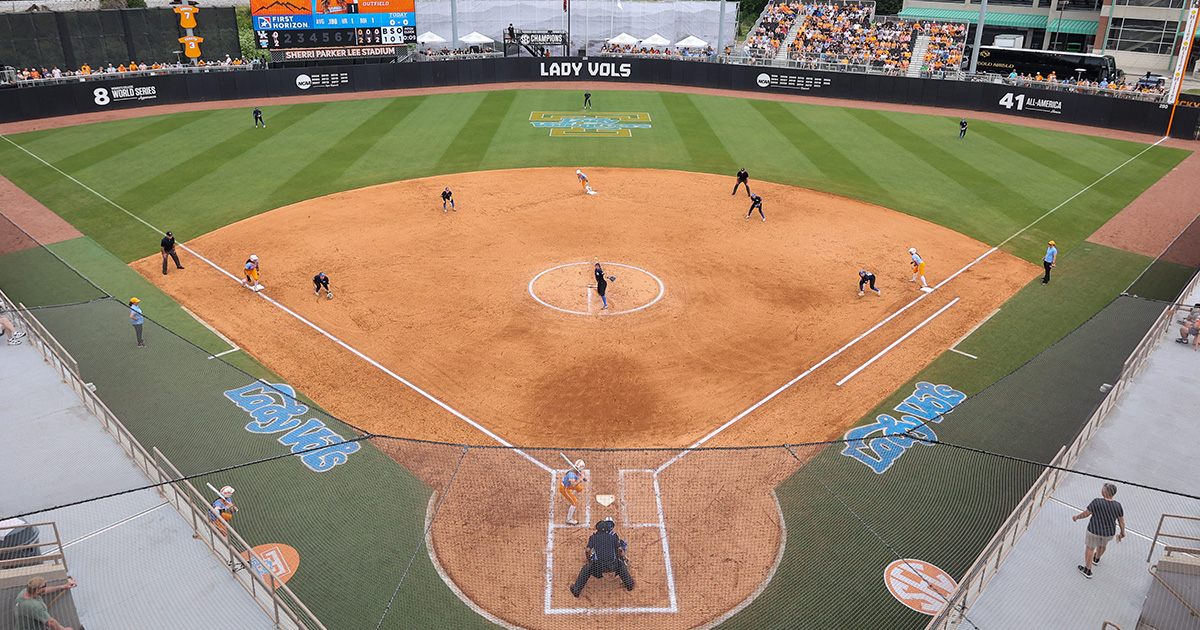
(919, 585)
(881, 443)
(600, 124)
(274, 409)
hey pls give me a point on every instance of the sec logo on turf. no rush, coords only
(764, 79)
(919, 585)
(304, 82)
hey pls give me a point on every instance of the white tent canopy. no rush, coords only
(475, 38)
(691, 41)
(624, 39)
(429, 37)
(656, 40)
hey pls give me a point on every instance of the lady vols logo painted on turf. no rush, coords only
(919, 585)
(274, 409)
(881, 443)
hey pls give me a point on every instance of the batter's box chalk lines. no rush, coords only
(897, 342)
(661, 289)
(296, 315)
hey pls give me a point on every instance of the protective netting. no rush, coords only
(592, 22)
(375, 531)
(29, 39)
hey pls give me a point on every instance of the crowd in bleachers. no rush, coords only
(1071, 84)
(656, 51)
(106, 70)
(848, 34)
(945, 49)
(471, 52)
(766, 38)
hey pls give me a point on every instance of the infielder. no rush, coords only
(867, 278)
(918, 266)
(251, 268)
(572, 484)
(755, 202)
(321, 281)
(602, 283)
(222, 510)
(447, 196)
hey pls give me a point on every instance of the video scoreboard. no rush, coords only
(285, 24)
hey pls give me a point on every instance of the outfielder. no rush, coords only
(321, 281)
(572, 484)
(222, 510)
(755, 202)
(258, 119)
(251, 268)
(867, 278)
(962, 128)
(587, 99)
(447, 196)
(918, 266)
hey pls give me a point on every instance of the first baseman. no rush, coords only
(867, 278)
(755, 202)
(572, 484)
(447, 197)
(918, 265)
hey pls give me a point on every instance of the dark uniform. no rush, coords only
(756, 202)
(258, 118)
(867, 278)
(962, 128)
(743, 179)
(447, 197)
(587, 100)
(605, 553)
(601, 284)
(321, 281)
(168, 249)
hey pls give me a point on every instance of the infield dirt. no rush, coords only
(444, 300)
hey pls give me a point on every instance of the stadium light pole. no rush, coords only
(454, 22)
(978, 35)
(721, 31)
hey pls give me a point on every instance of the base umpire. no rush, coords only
(605, 553)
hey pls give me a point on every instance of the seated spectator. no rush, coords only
(14, 335)
(1190, 326)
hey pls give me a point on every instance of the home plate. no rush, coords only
(605, 499)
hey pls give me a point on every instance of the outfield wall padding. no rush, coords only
(1094, 111)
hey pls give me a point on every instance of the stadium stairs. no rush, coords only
(786, 46)
(917, 60)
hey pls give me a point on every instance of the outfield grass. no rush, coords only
(196, 172)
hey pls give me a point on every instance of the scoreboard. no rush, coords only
(333, 37)
(284, 24)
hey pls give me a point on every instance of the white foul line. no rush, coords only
(973, 329)
(897, 342)
(963, 353)
(296, 315)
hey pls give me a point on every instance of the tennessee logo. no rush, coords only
(919, 585)
(602, 124)
(278, 559)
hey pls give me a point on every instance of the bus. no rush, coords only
(1065, 65)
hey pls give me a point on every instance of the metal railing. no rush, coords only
(1183, 601)
(275, 598)
(100, 75)
(1158, 533)
(56, 560)
(988, 563)
(1109, 624)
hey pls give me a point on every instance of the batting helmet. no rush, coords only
(912, 250)
(579, 464)
(227, 491)
(254, 257)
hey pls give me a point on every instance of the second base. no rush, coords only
(258, 287)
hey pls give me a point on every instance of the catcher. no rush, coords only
(572, 484)
(223, 510)
(605, 553)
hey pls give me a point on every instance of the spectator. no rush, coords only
(14, 335)
(1105, 515)
(32, 612)
(136, 318)
(1189, 327)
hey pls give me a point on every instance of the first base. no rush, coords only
(592, 192)
(927, 289)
